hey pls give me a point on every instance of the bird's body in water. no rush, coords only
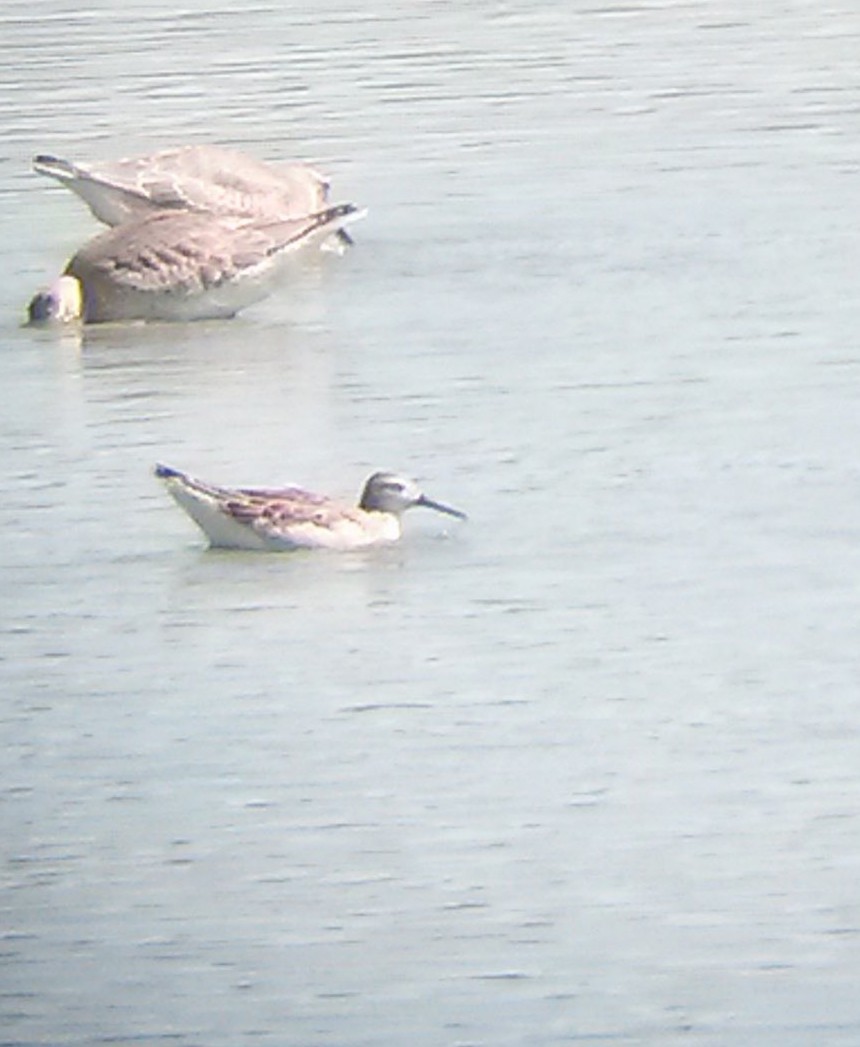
(180, 265)
(205, 178)
(288, 518)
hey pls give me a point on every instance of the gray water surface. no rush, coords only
(584, 770)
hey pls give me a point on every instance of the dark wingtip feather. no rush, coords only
(331, 214)
(55, 166)
(165, 472)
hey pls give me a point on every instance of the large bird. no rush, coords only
(206, 178)
(180, 265)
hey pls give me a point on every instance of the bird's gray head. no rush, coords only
(60, 303)
(390, 493)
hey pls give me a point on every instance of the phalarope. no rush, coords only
(190, 178)
(179, 265)
(283, 519)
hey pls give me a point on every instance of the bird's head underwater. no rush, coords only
(61, 303)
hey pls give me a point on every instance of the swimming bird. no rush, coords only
(180, 265)
(288, 518)
(205, 178)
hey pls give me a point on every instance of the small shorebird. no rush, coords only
(283, 519)
(180, 265)
(205, 178)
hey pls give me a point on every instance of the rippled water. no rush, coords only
(582, 771)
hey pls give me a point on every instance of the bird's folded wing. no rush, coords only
(179, 250)
(274, 514)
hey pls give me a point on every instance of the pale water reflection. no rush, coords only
(584, 771)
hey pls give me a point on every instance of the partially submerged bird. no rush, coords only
(283, 519)
(204, 178)
(180, 265)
